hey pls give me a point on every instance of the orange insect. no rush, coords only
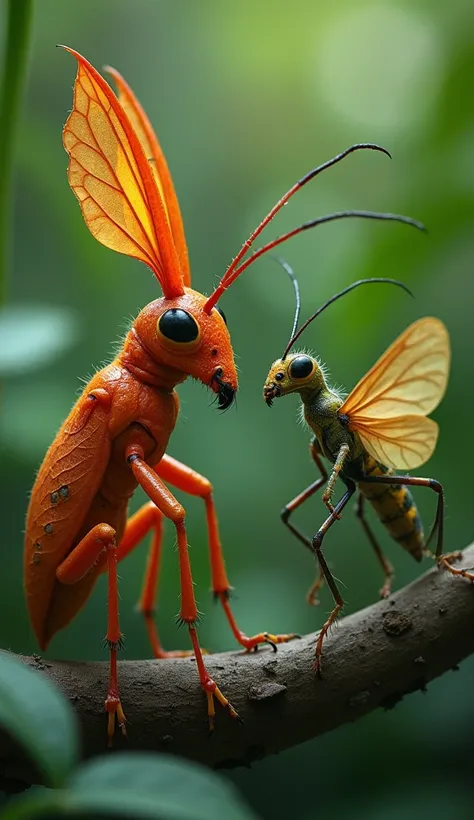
(116, 435)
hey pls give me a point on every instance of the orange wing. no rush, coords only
(387, 408)
(112, 179)
(152, 148)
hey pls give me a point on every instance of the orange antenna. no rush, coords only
(321, 220)
(224, 283)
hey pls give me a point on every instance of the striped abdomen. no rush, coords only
(395, 508)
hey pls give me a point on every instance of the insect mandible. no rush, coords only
(382, 426)
(116, 435)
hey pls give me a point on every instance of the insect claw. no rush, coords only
(317, 667)
(233, 713)
(445, 562)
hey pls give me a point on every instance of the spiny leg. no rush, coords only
(171, 509)
(316, 545)
(312, 594)
(384, 562)
(438, 525)
(147, 518)
(187, 480)
(77, 564)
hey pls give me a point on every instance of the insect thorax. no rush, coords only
(320, 412)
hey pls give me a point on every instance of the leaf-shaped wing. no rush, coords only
(387, 409)
(152, 148)
(410, 377)
(112, 179)
(404, 442)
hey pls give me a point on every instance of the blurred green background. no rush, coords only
(245, 98)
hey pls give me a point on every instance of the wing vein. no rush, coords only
(138, 180)
(139, 247)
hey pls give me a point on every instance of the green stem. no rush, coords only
(19, 17)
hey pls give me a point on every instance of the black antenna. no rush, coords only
(284, 264)
(336, 296)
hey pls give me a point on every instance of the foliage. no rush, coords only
(14, 64)
(36, 715)
(34, 336)
(126, 785)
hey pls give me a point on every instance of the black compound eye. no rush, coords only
(178, 325)
(279, 377)
(301, 367)
(221, 312)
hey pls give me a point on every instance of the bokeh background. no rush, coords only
(245, 98)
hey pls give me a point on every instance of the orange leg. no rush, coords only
(166, 502)
(77, 564)
(313, 592)
(187, 480)
(138, 526)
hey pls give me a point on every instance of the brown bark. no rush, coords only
(372, 659)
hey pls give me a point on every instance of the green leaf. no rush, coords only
(138, 786)
(32, 336)
(36, 802)
(154, 786)
(39, 718)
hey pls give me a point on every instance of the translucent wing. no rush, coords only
(388, 406)
(152, 148)
(112, 179)
(410, 377)
(403, 443)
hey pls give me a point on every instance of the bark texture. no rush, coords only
(372, 659)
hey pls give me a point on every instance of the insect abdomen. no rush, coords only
(395, 508)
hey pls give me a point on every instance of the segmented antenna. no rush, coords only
(373, 280)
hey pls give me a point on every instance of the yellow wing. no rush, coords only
(387, 408)
(403, 443)
(152, 148)
(112, 179)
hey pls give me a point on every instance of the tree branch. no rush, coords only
(372, 659)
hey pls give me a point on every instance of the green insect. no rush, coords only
(382, 426)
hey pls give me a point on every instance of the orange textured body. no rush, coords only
(84, 479)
